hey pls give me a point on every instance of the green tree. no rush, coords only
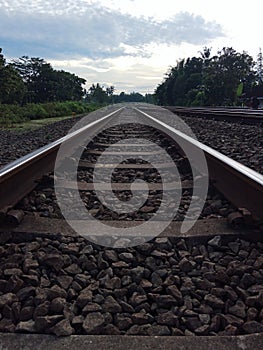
(12, 88)
(207, 80)
(181, 83)
(67, 86)
(36, 74)
(223, 75)
(109, 92)
(97, 94)
(132, 97)
(45, 84)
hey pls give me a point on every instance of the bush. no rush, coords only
(10, 114)
(34, 111)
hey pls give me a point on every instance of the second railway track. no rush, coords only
(206, 281)
(246, 115)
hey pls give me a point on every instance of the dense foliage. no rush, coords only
(13, 113)
(45, 84)
(32, 80)
(31, 89)
(224, 79)
(101, 95)
(28, 80)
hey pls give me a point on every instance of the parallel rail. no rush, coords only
(19, 177)
(243, 114)
(240, 184)
(243, 186)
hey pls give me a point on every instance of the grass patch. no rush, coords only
(19, 117)
(34, 124)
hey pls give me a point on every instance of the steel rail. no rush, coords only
(36, 164)
(241, 185)
(244, 114)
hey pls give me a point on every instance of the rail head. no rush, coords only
(26, 160)
(250, 173)
(36, 164)
(238, 183)
(244, 114)
(39, 162)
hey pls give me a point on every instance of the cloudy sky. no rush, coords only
(126, 43)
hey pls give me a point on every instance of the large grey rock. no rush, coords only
(214, 302)
(7, 299)
(62, 328)
(111, 305)
(239, 309)
(54, 261)
(42, 323)
(93, 323)
(26, 327)
(253, 327)
(168, 319)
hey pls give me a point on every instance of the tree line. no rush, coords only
(33, 80)
(104, 95)
(28, 80)
(228, 78)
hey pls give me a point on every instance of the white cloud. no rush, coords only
(128, 43)
(85, 29)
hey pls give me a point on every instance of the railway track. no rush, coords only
(198, 277)
(233, 114)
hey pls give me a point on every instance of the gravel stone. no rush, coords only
(91, 307)
(214, 302)
(239, 309)
(54, 261)
(252, 327)
(123, 322)
(42, 309)
(25, 293)
(168, 319)
(84, 297)
(93, 323)
(64, 281)
(113, 283)
(139, 330)
(202, 330)
(26, 313)
(141, 318)
(137, 299)
(13, 271)
(247, 280)
(158, 330)
(57, 305)
(26, 327)
(56, 292)
(42, 323)
(175, 292)
(62, 328)
(166, 301)
(6, 325)
(7, 299)
(142, 290)
(231, 319)
(185, 265)
(215, 242)
(13, 284)
(111, 305)
(252, 314)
